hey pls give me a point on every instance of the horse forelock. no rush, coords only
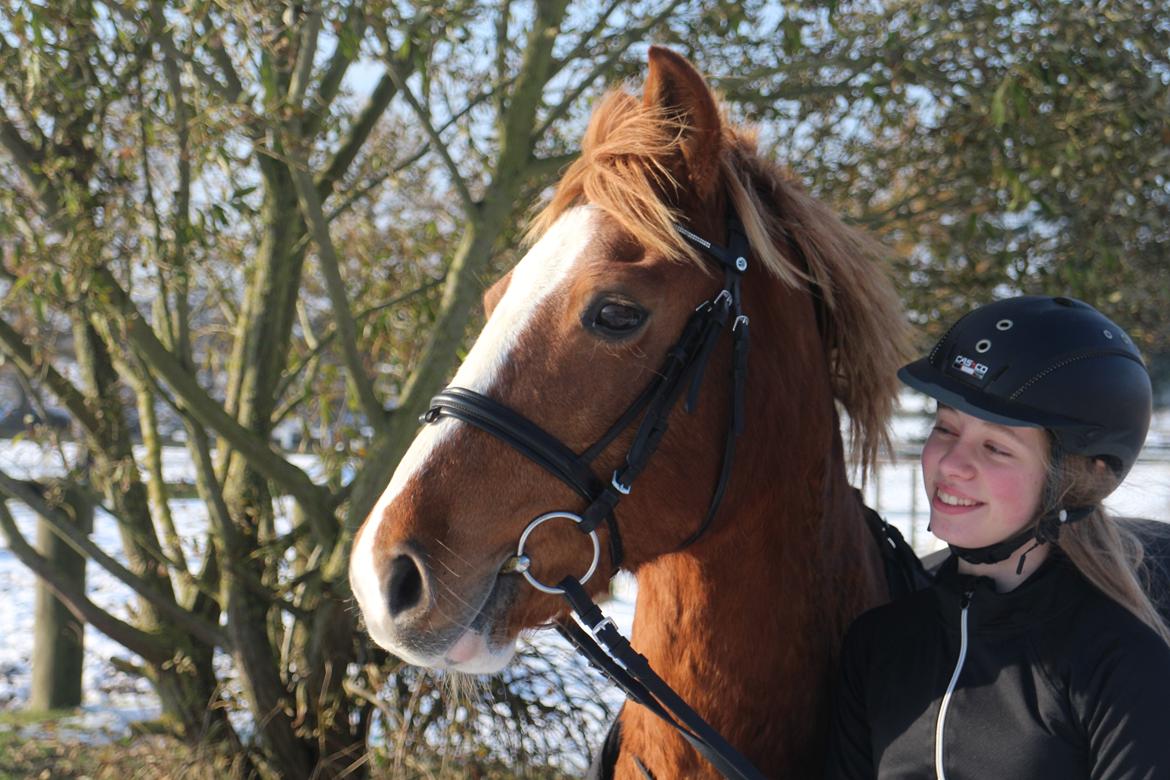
(625, 170)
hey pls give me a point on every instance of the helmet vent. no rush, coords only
(1004, 325)
(983, 346)
(1108, 334)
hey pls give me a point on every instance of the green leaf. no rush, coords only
(998, 107)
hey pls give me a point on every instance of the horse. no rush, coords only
(745, 622)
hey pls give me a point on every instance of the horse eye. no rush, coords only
(617, 319)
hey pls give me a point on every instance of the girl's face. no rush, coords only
(983, 480)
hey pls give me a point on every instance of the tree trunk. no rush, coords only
(58, 639)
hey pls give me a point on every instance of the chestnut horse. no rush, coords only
(746, 622)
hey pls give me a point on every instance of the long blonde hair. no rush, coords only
(1108, 554)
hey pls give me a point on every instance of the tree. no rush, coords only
(225, 234)
(997, 145)
(223, 218)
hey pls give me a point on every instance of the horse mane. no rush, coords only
(626, 165)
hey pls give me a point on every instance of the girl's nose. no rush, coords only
(957, 460)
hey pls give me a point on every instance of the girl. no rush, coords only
(1037, 653)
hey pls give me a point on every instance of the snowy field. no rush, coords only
(114, 699)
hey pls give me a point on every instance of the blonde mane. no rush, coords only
(625, 167)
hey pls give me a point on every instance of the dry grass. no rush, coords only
(141, 758)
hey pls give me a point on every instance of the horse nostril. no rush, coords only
(405, 588)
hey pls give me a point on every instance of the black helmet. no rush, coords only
(1055, 363)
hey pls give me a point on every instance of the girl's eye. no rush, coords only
(994, 450)
(616, 319)
(942, 430)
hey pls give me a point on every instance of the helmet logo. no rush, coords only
(970, 367)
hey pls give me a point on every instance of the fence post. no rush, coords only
(58, 636)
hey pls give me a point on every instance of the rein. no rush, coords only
(682, 371)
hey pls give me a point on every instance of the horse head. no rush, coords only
(577, 331)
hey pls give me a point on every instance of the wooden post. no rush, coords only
(58, 636)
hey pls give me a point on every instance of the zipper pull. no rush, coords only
(966, 600)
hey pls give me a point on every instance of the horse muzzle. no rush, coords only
(411, 612)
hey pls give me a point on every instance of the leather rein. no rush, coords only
(682, 371)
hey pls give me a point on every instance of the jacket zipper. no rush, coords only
(939, 772)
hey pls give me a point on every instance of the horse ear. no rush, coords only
(674, 86)
(493, 294)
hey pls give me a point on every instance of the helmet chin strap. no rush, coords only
(1046, 529)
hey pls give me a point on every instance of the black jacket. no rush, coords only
(1057, 681)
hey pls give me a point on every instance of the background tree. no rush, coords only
(252, 220)
(998, 146)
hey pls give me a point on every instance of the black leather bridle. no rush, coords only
(684, 365)
(682, 370)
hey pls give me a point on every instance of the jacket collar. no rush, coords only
(1046, 593)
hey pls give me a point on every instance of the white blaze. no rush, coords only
(541, 272)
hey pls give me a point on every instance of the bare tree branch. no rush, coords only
(323, 341)
(359, 133)
(214, 36)
(424, 117)
(306, 53)
(161, 32)
(203, 407)
(628, 38)
(355, 25)
(544, 167)
(330, 266)
(72, 595)
(28, 162)
(582, 47)
(235, 546)
(13, 345)
(26, 494)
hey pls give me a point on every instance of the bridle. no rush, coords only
(682, 370)
(684, 365)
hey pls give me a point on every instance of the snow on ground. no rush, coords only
(113, 698)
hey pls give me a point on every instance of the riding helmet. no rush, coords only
(1053, 363)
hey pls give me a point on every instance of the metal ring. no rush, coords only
(532, 527)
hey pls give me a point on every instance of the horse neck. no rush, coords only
(746, 624)
(746, 629)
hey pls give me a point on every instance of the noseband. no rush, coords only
(682, 369)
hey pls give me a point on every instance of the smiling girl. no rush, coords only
(1037, 653)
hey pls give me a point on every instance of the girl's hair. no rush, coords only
(1107, 553)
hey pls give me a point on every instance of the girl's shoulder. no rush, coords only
(1103, 629)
